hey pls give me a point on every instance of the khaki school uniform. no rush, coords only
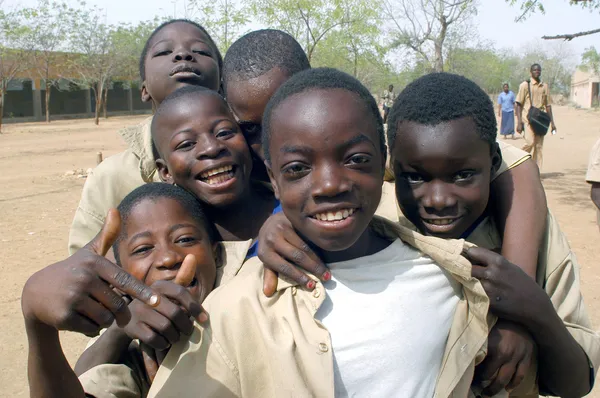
(256, 346)
(593, 171)
(558, 273)
(128, 379)
(111, 181)
(541, 99)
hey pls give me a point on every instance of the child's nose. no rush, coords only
(168, 258)
(438, 197)
(329, 181)
(182, 55)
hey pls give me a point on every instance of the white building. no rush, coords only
(584, 89)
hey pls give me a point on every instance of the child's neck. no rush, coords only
(369, 243)
(243, 219)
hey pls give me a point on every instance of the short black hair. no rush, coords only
(320, 79)
(184, 91)
(442, 97)
(534, 65)
(258, 52)
(158, 190)
(167, 23)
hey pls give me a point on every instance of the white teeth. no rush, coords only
(446, 221)
(216, 171)
(337, 216)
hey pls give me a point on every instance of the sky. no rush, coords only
(495, 19)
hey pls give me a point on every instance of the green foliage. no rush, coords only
(224, 19)
(590, 60)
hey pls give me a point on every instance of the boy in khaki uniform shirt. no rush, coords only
(542, 100)
(280, 346)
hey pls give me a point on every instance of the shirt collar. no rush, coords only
(139, 141)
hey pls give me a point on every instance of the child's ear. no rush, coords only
(496, 158)
(145, 94)
(272, 178)
(218, 254)
(163, 171)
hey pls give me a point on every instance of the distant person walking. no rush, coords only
(506, 112)
(534, 93)
(388, 98)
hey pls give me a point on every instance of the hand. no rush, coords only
(520, 127)
(161, 326)
(510, 355)
(282, 251)
(513, 294)
(553, 127)
(76, 294)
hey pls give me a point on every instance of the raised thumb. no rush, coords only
(102, 243)
(187, 271)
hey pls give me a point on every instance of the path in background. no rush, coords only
(37, 202)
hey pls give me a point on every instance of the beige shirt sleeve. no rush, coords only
(522, 94)
(511, 158)
(104, 188)
(563, 286)
(112, 381)
(593, 171)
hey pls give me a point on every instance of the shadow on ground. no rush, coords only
(570, 186)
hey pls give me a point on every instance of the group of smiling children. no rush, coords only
(287, 174)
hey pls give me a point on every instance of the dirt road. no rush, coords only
(37, 202)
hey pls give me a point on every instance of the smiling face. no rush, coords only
(202, 149)
(248, 100)
(180, 54)
(326, 165)
(159, 234)
(443, 175)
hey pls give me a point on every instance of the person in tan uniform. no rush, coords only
(593, 178)
(328, 174)
(443, 180)
(178, 53)
(540, 98)
(163, 239)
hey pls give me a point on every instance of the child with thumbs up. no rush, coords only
(165, 241)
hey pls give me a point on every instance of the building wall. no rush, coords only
(581, 94)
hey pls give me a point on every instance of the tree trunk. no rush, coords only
(1, 103)
(98, 98)
(105, 102)
(48, 88)
(439, 46)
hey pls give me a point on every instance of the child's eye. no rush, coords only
(224, 133)
(203, 52)
(359, 159)
(161, 53)
(141, 250)
(464, 175)
(186, 239)
(185, 145)
(295, 170)
(413, 178)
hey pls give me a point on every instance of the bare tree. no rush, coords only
(423, 26)
(94, 58)
(12, 51)
(529, 7)
(45, 40)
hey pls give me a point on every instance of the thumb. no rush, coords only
(102, 243)
(186, 273)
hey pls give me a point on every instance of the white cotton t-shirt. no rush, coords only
(389, 316)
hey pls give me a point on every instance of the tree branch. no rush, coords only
(569, 37)
(526, 11)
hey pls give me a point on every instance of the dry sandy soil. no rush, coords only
(38, 200)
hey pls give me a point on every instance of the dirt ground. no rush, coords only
(38, 200)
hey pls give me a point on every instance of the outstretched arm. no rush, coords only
(520, 210)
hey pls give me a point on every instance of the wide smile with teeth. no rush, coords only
(338, 215)
(217, 175)
(443, 221)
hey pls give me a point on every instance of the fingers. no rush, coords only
(269, 282)
(501, 380)
(102, 243)
(298, 253)
(279, 265)
(97, 313)
(174, 312)
(481, 256)
(160, 333)
(519, 375)
(126, 283)
(87, 318)
(187, 271)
